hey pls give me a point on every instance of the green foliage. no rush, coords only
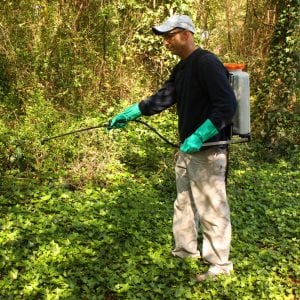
(275, 109)
(88, 216)
(79, 53)
(111, 239)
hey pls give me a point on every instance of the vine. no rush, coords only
(275, 107)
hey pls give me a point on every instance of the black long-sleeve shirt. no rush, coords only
(200, 87)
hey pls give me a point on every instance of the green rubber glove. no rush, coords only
(129, 114)
(194, 142)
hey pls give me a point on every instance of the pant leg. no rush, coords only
(207, 174)
(185, 219)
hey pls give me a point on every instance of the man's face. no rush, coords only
(174, 40)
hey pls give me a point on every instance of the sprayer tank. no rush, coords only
(240, 83)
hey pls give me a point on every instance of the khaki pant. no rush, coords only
(201, 196)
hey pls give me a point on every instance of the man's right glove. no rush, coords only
(194, 142)
(131, 113)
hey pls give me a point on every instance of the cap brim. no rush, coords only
(161, 29)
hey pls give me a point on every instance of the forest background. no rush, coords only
(66, 65)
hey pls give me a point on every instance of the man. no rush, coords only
(200, 88)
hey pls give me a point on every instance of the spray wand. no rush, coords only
(43, 141)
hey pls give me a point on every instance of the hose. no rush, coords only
(156, 132)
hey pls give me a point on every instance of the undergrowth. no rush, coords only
(91, 217)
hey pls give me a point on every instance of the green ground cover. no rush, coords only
(111, 238)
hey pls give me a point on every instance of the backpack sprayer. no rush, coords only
(239, 81)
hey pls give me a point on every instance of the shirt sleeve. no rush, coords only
(164, 98)
(219, 91)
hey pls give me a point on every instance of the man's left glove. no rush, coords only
(129, 114)
(194, 142)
